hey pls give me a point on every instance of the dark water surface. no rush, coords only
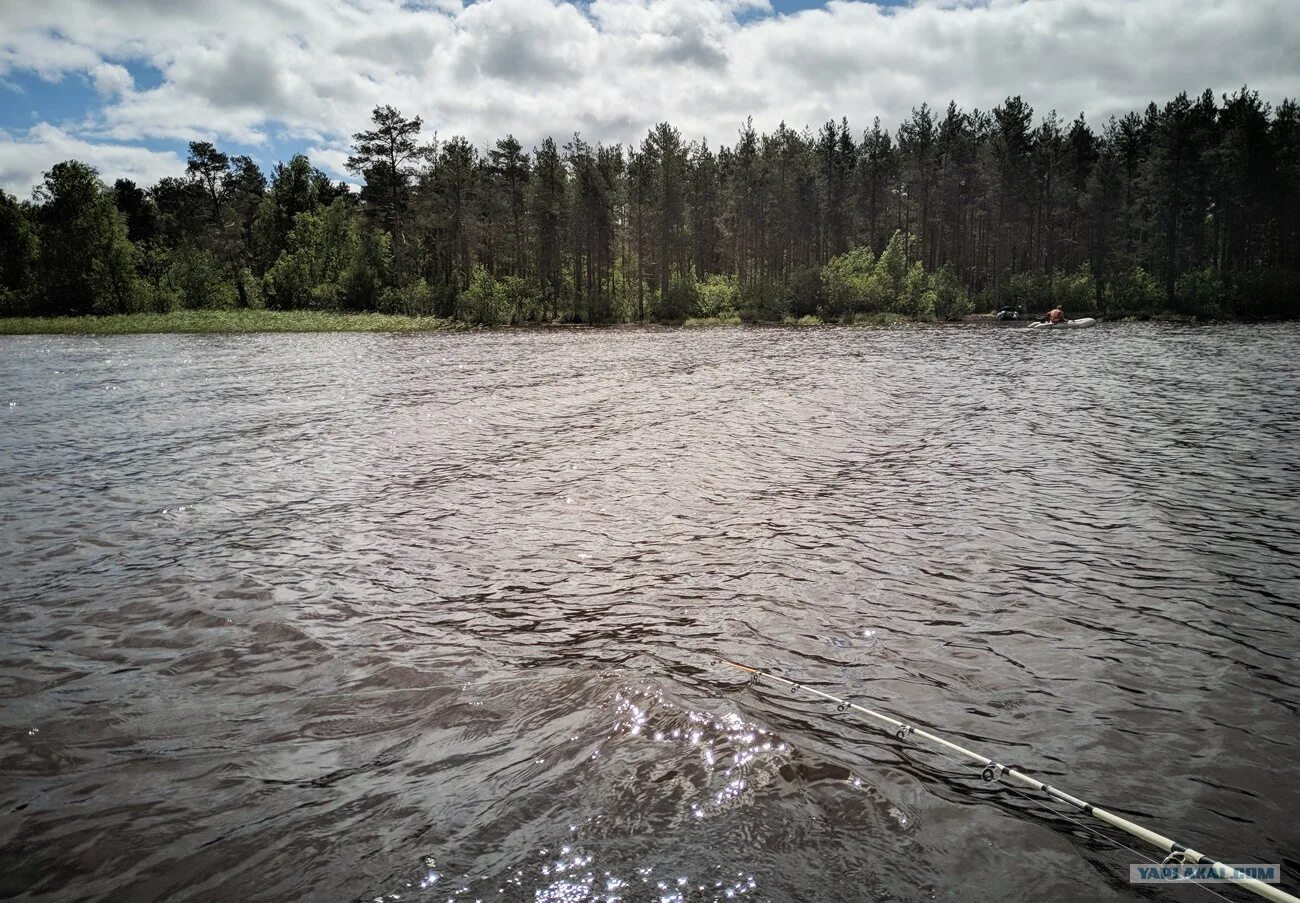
(358, 617)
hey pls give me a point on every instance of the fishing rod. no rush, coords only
(1177, 853)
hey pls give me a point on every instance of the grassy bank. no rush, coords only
(219, 321)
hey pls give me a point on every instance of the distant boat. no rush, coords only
(1082, 323)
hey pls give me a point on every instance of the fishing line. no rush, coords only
(1060, 813)
(1106, 837)
(994, 771)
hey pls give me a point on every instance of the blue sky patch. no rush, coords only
(29, 99)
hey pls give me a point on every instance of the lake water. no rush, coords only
(358, 617)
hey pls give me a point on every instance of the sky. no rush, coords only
(125, 84)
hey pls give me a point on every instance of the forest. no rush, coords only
(1191, 208)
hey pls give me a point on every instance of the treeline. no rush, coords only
(1190, 208)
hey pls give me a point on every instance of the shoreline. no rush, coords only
(237, 322)
(199, 322)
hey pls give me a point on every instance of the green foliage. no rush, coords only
(760, 302)
(196, 279)
(680, 302)
(857, 285)
(12, 303)
(296, 187)
(1191, 208)
(1035, 291)
(1075, 291)
(1134, 294)
(387, 156)
(1266, 293)
(718, 297)
(140, 210)
(806, 292)
(415, 299)
(949, 299)
(18, 256)
(331, 263)
(182, 208)
(1201, 294)
(495, 301)
(363, 279)
(153, 265)
(1027, 291)
(87, 263)
(484, 301)
(248, 290)
(915, 300)
(520, 299)
(849, 283)
(892, 268)
(207, 165)
(190, 278)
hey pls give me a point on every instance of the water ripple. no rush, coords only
(365, 617)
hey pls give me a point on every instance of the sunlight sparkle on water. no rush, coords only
(731, 749)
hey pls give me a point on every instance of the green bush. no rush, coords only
(484, 301)
(914, 298)
(1266, 293)
(846, 282)
(892, 267)
(331, 263)
(895, 285)
(949, 300)
(1134, 294)
(12, 303)
(488, 300)
(157, 295)
(681, 301)
(252, 288)
(804, 292)
(1036, 291)
(1074, 291)
(522, 304)
(416, 299)
(1027, 292)
(856, 284)
(360, 287)
(197, 280)
(1201, 293)
(760, 303)
(718, 297)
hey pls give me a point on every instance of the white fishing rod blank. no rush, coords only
(1176, 853)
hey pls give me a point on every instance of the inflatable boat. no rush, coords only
(1068, 324)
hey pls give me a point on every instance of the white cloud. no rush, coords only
(313, 69)
(25, 157)
(111, 80)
